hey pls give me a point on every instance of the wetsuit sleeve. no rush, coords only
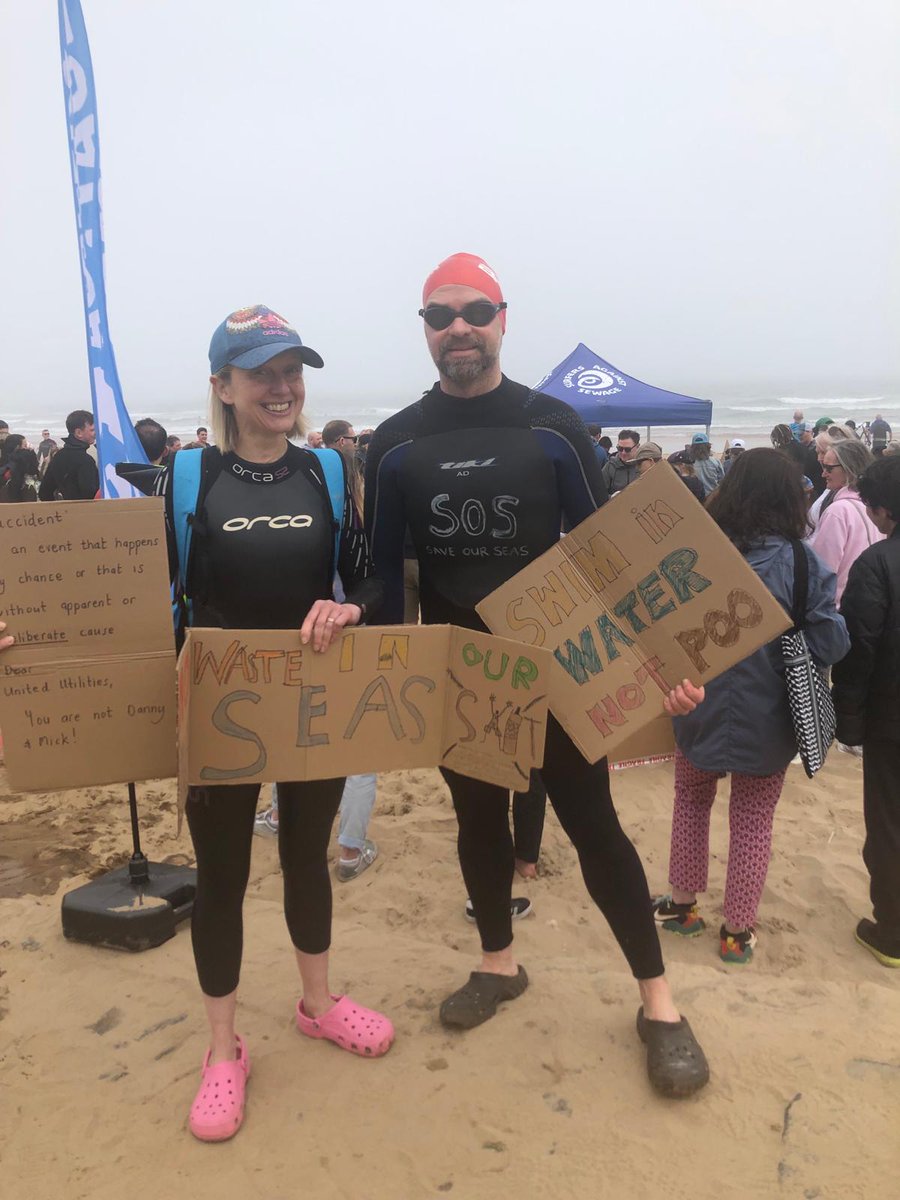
(355, 565)
(580, 479)
(385, 520)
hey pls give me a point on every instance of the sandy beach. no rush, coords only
(101, 1050)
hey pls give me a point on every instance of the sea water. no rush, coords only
(749, 418)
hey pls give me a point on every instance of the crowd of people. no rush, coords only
(819, 496)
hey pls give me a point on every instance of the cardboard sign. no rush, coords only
(255, 705)
(644, 593)
(87, 693)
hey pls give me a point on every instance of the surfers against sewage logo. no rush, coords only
(594, 381)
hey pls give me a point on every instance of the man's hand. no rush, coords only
(683, 699)
(324, 619)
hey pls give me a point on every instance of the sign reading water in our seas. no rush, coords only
(255, 705)
(646, 592)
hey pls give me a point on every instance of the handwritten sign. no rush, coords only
(644, 593)
(255, 705)
(87, 693)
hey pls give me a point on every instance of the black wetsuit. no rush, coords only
(263, 553)
(484, 486)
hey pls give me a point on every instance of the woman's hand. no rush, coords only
(5, 642)
(324, 619)
(683, 699)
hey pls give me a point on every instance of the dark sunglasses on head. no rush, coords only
(478, 313)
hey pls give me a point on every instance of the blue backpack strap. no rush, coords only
(333, 470)
(186, 467)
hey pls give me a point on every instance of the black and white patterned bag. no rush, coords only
(812, 708)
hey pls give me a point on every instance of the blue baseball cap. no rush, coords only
(699, 437)
(251, 336)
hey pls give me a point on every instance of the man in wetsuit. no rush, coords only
(483, 472)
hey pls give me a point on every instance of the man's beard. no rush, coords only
(468, 369)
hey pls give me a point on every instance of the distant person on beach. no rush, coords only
(19, 474)
(339, 435)
(314, 439)
(621, 470)
(596, 433)
(11, 443)
(683, 462)
(892, 448)
(648, 455)
(708, 469)
(72, 473)
(844, 529)
(47, 447)
(782, 439)
(152, 437)
(734, 452)
(4, 432)
(797, 425)
(881, 435)
(542, 471)
(867, 701)
(275, 576)
(744, 727)
(173, 444)
(201, 441)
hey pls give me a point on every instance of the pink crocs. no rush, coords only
(354, 1028)
(218, 1108)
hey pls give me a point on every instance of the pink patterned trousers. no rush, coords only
(751, 811)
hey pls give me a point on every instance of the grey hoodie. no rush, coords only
(618, 474)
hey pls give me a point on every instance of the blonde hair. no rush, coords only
(223, 424)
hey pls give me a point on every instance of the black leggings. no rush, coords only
(613, 874)
(221, 824)
(528, 819)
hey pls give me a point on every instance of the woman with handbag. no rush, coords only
(745, 726)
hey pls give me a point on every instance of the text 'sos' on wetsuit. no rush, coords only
(484, 486)
(263, 544)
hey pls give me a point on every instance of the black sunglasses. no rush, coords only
(478, 313)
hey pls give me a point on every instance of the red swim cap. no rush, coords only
(466, 270)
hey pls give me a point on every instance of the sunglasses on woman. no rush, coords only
(478, 313)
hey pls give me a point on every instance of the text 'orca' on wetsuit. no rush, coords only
(264, 544)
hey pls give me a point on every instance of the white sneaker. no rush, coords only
(349, 868)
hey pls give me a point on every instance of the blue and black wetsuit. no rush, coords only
(484, 486)
(263, 553)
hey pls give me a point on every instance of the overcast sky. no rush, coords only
(704, 191)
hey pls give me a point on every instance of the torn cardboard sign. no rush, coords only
(87, 693)
(255, 705)
(644, 593)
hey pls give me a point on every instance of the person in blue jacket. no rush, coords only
(744, 727)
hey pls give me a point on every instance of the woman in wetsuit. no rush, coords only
(252, 567)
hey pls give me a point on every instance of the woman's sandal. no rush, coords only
(360, 1030)
(676, 1065)
(218, 1109)
(477, 1000)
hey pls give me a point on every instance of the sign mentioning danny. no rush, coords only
(644, 593)
(87, 693)
(255, 705)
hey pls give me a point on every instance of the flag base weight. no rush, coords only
(135, 907)
(116, 912)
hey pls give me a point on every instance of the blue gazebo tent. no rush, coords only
(603, 395)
